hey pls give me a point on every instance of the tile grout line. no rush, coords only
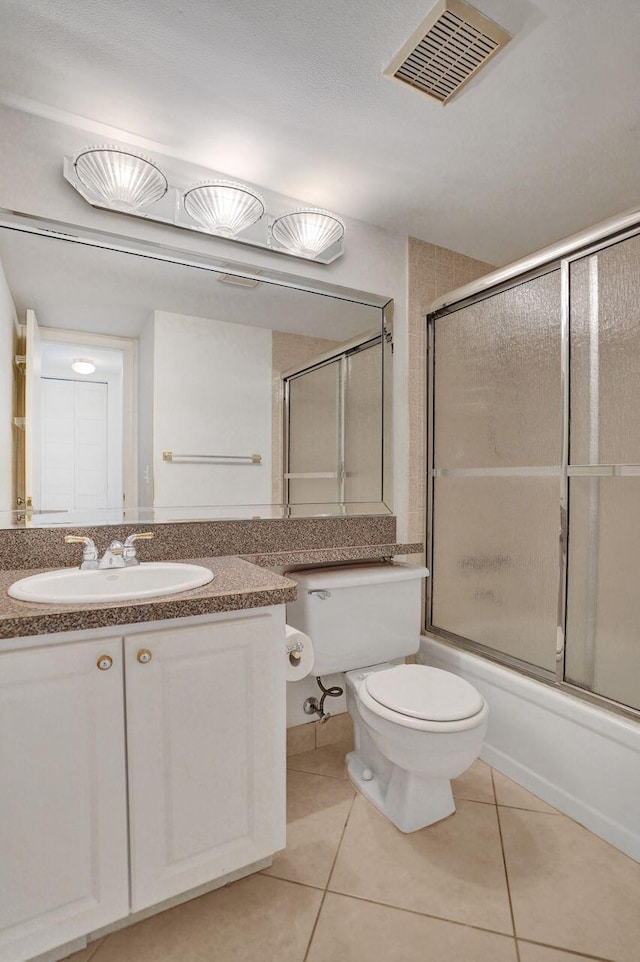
(426, 915)
(326, 888)
(483, 801)
(506, 872)
(422, 915)
(557, 948)
(302, 771)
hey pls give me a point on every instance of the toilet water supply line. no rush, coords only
(311, 706)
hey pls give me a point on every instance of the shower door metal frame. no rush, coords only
(340, 357)
(566, 471)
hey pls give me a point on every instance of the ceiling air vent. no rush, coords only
(447, 50)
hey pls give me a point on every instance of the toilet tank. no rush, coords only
(360, 615)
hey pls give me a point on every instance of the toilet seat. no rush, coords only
(422, 698)
(423, 692)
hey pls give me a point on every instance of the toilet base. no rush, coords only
(406, 799)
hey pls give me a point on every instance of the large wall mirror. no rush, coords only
(139, 383)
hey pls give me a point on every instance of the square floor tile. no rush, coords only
(317, 809)
(453, 869)
(475, 784)
(255, 919)
(354, 931)
(328, 760)
(569, 888)
(512, 795)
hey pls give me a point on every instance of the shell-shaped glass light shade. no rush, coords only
(307, 232)
(124, 180)
(223, 206)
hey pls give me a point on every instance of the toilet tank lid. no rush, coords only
(349, 576)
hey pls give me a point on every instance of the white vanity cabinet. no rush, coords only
(63, 808)
(129, 783)
(205, 723)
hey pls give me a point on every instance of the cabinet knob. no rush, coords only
(104, 662)
(144, 656)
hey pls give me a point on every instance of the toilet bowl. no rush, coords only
(416, 728)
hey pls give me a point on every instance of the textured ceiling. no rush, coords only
(289, 94)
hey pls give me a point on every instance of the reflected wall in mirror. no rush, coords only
(148, 389)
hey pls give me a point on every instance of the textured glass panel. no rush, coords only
(363, 425)
(497, 380)
(603, 600)
(314, 432)
(605, 356)
(496, 564)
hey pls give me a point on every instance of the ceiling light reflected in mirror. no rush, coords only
(82, 365)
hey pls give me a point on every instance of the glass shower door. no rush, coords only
(363, 418)
(335, 427)
(496, 449)
(315, 436)
(603, 599)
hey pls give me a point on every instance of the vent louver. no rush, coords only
(447, 49)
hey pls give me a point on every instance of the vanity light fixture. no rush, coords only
(83, 365)
(120, 179)
(223, 206)
(307, 232)
(125, 180)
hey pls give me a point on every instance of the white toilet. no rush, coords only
(416, 727)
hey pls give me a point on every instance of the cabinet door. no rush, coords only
(206, 731)
(63, 817)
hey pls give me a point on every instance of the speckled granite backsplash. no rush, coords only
(45, 547)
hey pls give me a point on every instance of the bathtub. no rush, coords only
(582, 759)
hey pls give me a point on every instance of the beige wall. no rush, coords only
(431, 272)
(288, 350)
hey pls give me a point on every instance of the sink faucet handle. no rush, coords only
(145, 536)
(90, 553)
(130, 546)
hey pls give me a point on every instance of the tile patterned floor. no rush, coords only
(505, 879)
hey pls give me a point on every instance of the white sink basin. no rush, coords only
(146, 580)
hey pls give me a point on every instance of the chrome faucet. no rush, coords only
(90, 553)
(113, 556)
(130, 547)
(117, 555)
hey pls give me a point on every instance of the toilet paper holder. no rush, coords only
(294, 651)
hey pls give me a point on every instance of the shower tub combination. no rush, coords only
(534, 518)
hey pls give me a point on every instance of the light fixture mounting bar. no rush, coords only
(170, 210)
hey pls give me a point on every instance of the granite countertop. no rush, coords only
(236, 584)
(333, 555)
